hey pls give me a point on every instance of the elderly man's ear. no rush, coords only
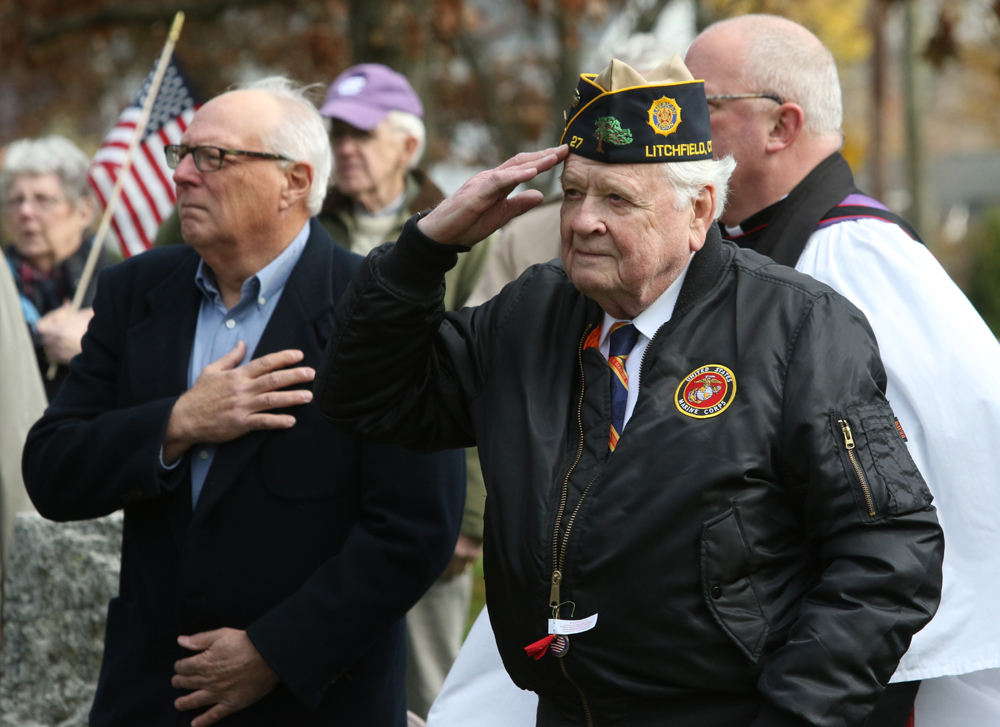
(298, 182)
(409, 149)
(788, 122)
(702, 217)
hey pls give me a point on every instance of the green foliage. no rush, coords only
(609, 129)
(983, 287)
(478, 595)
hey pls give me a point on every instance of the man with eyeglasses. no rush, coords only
(775, 105)
(268, 560)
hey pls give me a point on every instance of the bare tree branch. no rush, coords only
(471, 50)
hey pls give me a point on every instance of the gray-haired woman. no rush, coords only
(47, 208)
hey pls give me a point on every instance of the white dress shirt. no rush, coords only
(647, 323)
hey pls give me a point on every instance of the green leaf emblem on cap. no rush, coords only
(609, 129)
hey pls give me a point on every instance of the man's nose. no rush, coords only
(345, 145)
(187, 172)
(588, 219)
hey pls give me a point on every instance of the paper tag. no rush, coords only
(565, 626)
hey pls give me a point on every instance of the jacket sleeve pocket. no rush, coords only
(726, 585)
(876, 460)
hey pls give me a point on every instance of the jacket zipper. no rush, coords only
(556, 559)
(845, 427)
(559, 553)
(583, 697)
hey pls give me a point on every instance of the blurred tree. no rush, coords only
(983, 285)
(842, 26)
(71, 65)
(83, 59)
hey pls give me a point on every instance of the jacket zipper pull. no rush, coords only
(848, 437)
(554, 593)
(845, 427)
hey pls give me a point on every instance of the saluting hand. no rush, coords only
(481, 206)
(228, 400)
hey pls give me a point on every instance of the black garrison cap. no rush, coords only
(621, 117)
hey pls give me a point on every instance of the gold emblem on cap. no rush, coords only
(664, 116)
(576, 97)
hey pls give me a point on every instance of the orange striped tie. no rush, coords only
(623, 338)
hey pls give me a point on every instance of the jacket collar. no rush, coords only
(166, 335)
(705, 272)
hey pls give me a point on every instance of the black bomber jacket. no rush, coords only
(761, 556)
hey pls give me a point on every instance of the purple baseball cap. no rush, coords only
(363, 94)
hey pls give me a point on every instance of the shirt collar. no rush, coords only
(649, 321)
(754, 222)
(268, 281)
(389, 210)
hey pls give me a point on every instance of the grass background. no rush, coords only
(478, 595)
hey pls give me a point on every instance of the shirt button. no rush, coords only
(203, 454)
(716, 593)
(262, 300)
(230, 323)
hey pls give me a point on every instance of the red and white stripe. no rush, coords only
(148, 193)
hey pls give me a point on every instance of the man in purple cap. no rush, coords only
(378, 137)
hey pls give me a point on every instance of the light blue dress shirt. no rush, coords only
(219, 330)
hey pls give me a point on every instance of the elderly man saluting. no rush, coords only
(700, 510)
(267, 560)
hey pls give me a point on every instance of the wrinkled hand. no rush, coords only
(481, 206)
(61, 331)
(229, 674)
(467, 552)
(227, 400)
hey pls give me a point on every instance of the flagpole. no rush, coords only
(109, 210)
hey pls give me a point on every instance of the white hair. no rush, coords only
(689, 179)
(48, 155)
(785, 59)
(406, 124)
(302, 136)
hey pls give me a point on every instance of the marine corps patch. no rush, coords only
(664, 116)
(706, 392)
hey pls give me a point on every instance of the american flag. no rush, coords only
(148, 194)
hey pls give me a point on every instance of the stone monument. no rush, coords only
(60, 577)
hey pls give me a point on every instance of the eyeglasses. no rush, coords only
(728, 96)
(41, 203)
(210, 158)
